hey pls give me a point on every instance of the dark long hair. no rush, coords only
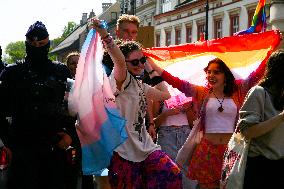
(230, 83)
(273, 79)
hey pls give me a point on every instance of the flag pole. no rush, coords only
(206, 24)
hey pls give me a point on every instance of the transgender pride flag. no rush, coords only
(101, 128)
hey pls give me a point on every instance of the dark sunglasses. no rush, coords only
(135, 62)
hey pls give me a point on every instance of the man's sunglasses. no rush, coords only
(135, 62)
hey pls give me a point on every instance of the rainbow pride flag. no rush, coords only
(101, 128)
(245, 55)
(258, 23)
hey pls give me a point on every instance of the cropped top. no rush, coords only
(220, 122)
(176, 120)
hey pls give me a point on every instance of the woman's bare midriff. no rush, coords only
(218, 138)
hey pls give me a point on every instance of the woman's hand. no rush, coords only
(154, 66)
(174, 111)
(97, 25)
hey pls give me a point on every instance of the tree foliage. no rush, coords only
(53, 44)
(16, 52)
(71, 26)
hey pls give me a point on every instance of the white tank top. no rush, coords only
(220, 122)
(177, 120)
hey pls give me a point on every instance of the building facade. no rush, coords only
(146, 10)
(276, 16)
(179, 21)
(184, 22)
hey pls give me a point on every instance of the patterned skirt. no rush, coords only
(157, 171)
(206, 164)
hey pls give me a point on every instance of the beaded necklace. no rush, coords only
(220, 109)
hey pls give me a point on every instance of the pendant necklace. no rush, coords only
(220, 109)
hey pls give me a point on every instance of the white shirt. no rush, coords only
(131, 102)
(177, 120)
(220, 122)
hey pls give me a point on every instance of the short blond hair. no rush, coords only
(128, 18)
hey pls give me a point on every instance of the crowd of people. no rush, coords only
(43, 148)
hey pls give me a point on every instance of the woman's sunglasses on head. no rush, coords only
(135, 62)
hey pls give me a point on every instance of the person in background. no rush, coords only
(72, 62)
(127, 27)
(138, 162)
(174, 125)
(262, 121)
(42, 137)
(218, 104)
(126, 30)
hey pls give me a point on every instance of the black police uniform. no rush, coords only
(34, 100)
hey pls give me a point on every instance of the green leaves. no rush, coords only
(16, 52)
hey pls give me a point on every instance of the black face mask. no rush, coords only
(37, 55)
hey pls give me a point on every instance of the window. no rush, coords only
(234, 25)
(178, 37)
(200, 30)
(188, 34)
(166, 6)
(161, 6)
(113, 15)
(218, 28)
(168, 38)
(158, 44)
(218, 4)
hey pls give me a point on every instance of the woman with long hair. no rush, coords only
(218, 105)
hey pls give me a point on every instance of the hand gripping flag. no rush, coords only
(245, 55)
(101, 128)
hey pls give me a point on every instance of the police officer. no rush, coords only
(42, 136)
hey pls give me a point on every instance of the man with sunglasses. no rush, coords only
(41, 132)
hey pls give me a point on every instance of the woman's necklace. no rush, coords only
(220, 109)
